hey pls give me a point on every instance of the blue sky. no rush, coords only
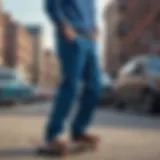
(31, 11)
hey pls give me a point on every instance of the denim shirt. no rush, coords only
(79, 14)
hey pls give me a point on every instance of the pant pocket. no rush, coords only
(76, 42)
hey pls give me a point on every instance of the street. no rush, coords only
(124, 136)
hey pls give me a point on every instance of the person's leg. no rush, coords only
(72, 58)
(90, 95)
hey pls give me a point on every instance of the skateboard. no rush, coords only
(70, 149)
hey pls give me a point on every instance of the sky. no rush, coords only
(31, 11)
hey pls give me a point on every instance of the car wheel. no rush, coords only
(156, 105)
(147, 103)
(10, 103)
(120, 105)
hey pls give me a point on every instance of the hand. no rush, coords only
(69, 33)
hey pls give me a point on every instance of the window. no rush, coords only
(133, 68)
(138, 70)
(7, 76)
(122, 28)
(128, 68)
(153, 65)
(123, 5)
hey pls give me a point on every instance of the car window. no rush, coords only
(128, 68)
(7, 76)
(153, 65)
(134, 67)
(20, 79)
(106, 80)
(139, 69)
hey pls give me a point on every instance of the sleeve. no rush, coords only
(55, 12)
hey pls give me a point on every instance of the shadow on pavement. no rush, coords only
(104, 117)
(115, 119)
(18, 152)
(26, 152)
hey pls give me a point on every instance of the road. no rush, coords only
(124, 136)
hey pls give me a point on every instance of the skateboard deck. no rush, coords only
(71, 150)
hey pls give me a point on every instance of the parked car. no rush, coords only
(42, 94)
(107, 91)
(138, 84)
(12, 87)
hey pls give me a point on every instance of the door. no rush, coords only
(136, 82)
(130, 81)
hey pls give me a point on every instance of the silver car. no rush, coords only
(12, 87)
(138, 84)
(107, 91)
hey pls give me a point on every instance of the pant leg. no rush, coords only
(72, 57)
(91, 93)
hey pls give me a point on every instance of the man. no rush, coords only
(76, 36)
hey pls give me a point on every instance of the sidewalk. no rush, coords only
(17, 134)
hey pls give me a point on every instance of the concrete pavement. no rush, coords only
(124, 137)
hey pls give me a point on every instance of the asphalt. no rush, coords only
(124, 136)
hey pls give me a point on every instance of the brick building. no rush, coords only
(20, 50)
(1, 39)
(137, 30)
(50, 69)
(111, 44)
(36, 32)
(16, 45)
(4, 20)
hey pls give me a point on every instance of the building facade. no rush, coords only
(2, 38)
(36, 32)
(5, 20)
(111, 44)
(16, 45)
(24, 52)
(19, 50)
(50, 70)
(136, 31)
